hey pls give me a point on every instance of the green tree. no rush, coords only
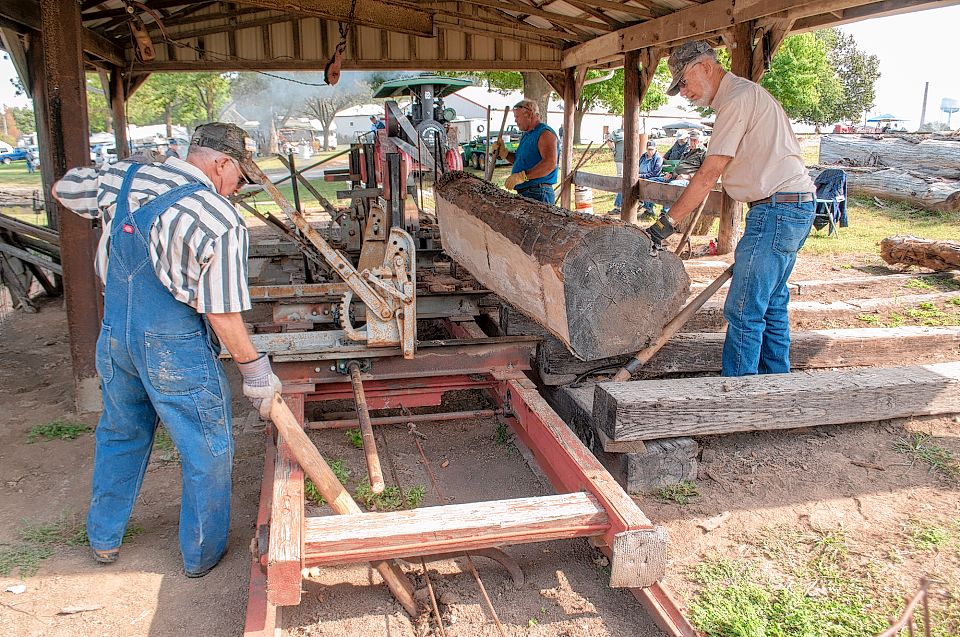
(99, 117)
(608, 94)
(857, 73)
(800, 76)
(25, 119)
(182, 98)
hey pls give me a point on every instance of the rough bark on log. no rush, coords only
(930, 155)
(936, 255)
(589, 280)
(915, 187)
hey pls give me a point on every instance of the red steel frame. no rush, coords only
(569, 465)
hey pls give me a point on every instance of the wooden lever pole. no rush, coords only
(642, 357)
(491, 158)
(374, 471)
(307, 454)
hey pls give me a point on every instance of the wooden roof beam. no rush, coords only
(287, 64)
(397, 17)
(692, 22)
(27, 13)
(868, 11)
(530, 10)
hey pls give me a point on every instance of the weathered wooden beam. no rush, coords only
(285, 551)
(936, 255)
(631, 135)
(399, 17)
(349, 64)
(566, 144)
(699, 20)
(647, 410)
(29, 257)
(27, 13)
(345, 539)
(700, 352)
(587, 279)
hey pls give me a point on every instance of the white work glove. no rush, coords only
(260, 383)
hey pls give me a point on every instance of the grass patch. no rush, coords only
(355, 438)
(737, 600)
(391, 499)
(59, 429)
(919, 284)
(310, 489)
(502, 435)
(928, 537)
(919, 448)
(38, 542)
(681, 493)
(15, 174)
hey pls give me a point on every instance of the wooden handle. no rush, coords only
(642, 357)
(492, 160)
(374, 472)
(339, 499)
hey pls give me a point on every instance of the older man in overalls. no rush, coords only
(173, 262)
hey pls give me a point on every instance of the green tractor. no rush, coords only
(475, 151)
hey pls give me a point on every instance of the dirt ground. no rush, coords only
(145, 592)
(809, 481)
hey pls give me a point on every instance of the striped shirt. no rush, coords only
(198, 246)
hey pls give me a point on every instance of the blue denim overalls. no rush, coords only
(156, 363)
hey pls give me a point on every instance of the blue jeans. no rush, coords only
(540, 192)
(758, 328)
(157, 363)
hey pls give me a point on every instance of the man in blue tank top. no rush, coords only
(535, 162)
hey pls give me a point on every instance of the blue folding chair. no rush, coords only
(831, 201)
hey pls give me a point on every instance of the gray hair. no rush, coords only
(530, 105)
(202, 152)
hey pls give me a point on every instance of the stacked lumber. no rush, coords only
(28, 252)
(590, 282)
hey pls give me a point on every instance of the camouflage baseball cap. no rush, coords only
(229, 139)
(681, 57)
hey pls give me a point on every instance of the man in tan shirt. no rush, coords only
(755, 151)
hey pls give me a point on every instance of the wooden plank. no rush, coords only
(346, 539)
(284, 557)
(814, 349)
(403, 18)
(647, 410)
(647, 190)
(29, 257)
(571, 467)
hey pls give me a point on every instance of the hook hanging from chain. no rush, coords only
(331, 72)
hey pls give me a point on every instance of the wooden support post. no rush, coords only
(566, 144)
(285, 553)
(66, 145)
(631, 135)
(118, 101)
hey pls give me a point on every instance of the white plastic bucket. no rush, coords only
(583, 199)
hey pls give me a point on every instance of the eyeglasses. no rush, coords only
(683, 80)
(242, 178)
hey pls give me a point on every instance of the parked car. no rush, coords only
(657, 133)
(17, 154)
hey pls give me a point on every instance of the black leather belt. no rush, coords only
(784, 197)
(540, 185)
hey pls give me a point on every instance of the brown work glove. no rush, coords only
(499, 149)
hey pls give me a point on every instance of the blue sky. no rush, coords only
(913, 48)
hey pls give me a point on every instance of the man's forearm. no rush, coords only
(699, 186)
(232, 333)
(541, 169)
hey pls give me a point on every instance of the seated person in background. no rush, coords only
(679, 147)
(689, 164)
(651, 164)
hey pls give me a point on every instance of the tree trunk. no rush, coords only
(536, 88)
(168, 119)
(326, 134)
(274, 142)
(902, 152)
(577, 122)
(590, 281)
(936, 255)
(916, 188)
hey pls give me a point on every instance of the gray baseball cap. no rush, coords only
(681, 57)
(229, 139)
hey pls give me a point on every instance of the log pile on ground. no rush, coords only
(936, 255)
(590, 281)
(921, 172)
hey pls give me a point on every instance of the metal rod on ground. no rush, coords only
(642, 357)
(486, 598)
(583, 159)
(366, 430)
(308, 456)
(433, 599)
(349, 423)
(693, 222)
(491, 159)
(426, 463)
